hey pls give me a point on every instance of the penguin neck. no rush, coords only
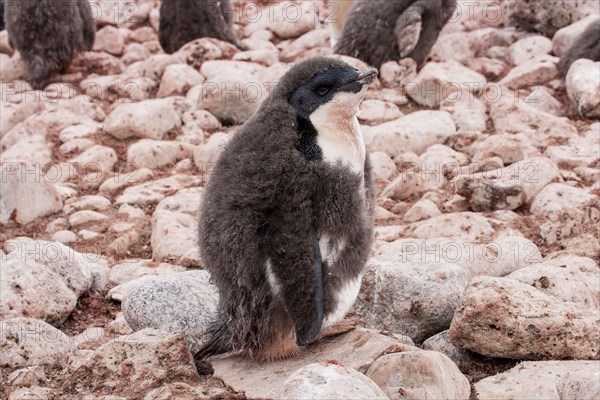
(339, 137)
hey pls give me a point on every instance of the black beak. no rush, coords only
(367, 77)
(357, 82)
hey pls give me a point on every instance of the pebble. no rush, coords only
(136, 363)
(177, 301)
(151, 119)
(419, 374)
(30, 342)
(501, 317)
(325, 381)
(554, 380)
(583, 88)
(24, 200)
(431, 291)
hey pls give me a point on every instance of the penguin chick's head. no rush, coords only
(337, 90)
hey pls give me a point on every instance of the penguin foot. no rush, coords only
(284, 346)
(345, 325)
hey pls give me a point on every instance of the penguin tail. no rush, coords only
(218, 342)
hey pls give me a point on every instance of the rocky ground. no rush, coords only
(483, 281)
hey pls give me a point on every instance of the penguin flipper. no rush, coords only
(408, 30)
(299, 275)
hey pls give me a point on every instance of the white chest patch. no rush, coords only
(345, 298)
(338, 132)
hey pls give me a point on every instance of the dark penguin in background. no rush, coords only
(49, 34)
(286, 221)
(1, 15)
(182, 21)
(377, 31)
(586, 45)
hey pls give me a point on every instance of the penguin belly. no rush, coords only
(346, 294)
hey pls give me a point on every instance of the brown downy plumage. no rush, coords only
(286, 219)
(49, 34)
(586, 45)
(377, 31)
(182, 21)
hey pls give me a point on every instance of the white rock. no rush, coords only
(178, 79)
(96, 158)
(560, 282)
(28, 341)
(110, 40)
(80, 271)
(21, 284)
(174, 236)
(466, 226)
(558, 196)
(207, 154)
(76, 146)
(529, 48)
(64, 237)
(86, 217)
(290, 20)
(583, 87)
(383, 167)
(431, 291)
(452, 46)
(501, 317)
(150, 119)
(121, 181)
(154, 191)
(414, 132)
(325, 381)
(376, 111)
(531, 73)
(469, 114)
(185, 201)
(232, 97)
(33, 150)
(519, 118)
(507, 188)
(419, 375)
(89, 202)
(154, 154)
(129, 270)
(181, 301)
(445, 80)
(26, 194)
(13, 114)
(510, 148)
(497, 258)
(261, 56)
(135, 52)
(310, 40)
(543, 379)
(423, 209)
(146, 358)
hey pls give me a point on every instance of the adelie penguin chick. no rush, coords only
(377, 31)
(182, 21)
(49, 34)
(286, 220)
(586, 45)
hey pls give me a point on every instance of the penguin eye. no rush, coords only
(322, 90)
